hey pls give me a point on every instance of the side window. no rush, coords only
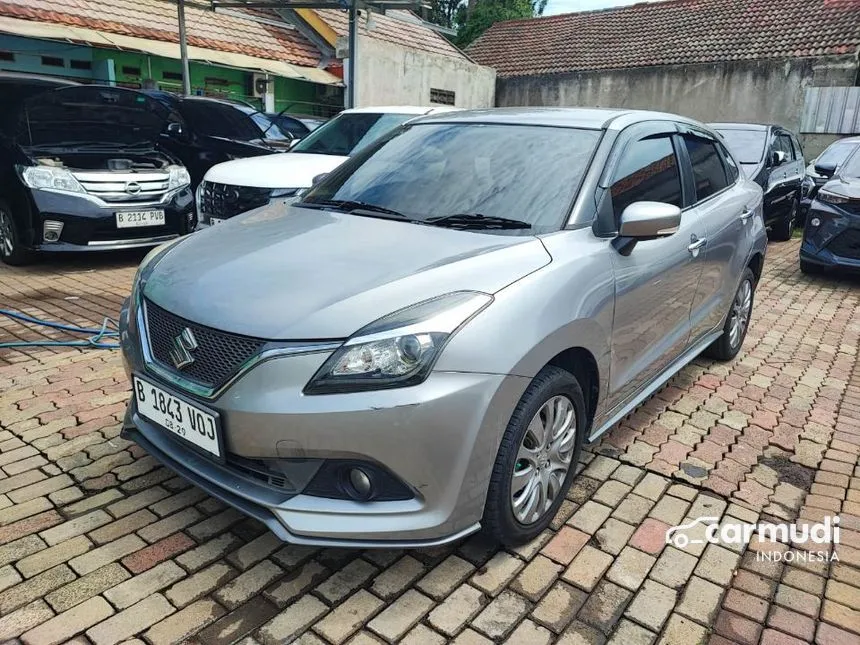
(785, 146)
(731, 167)
(798, 151)
(218, 120)
(648, 172)
(709, 174)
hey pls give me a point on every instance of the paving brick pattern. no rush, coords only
(99, 544)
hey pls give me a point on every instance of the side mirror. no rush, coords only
(779, 157)
(294, 141)
(174, 129)
(826, 169)
(318, 178)
(647, 220)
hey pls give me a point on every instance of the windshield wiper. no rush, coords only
(352, 207)
(476, 220)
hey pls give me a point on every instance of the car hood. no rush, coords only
(300, 274)
(751, 170)
(90, 114)
(847, 187)
(287, 170)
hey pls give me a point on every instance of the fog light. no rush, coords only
(360, 482)
(52, 230)
(815, 222)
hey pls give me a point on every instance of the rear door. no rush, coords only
(656, 282)
(724, 213)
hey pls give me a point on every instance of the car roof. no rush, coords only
(744, 126)
(35, 79)
(399, 109)
(854, 140)
(586, 118)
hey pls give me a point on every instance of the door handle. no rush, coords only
(697, 244)
(748, 212)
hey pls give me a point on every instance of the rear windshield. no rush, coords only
(348, 133)
(837, 153)
(746, 145)
(430, 170)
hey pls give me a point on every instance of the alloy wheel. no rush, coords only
(741, 308)
(7, 239)
(543, 460)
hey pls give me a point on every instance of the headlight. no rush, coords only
(832, 198)
(179, 178)
(50, 178)
(398, 350)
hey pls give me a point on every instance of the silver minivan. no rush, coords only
(421, 346)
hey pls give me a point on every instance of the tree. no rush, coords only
(478, 16)
(444, 12)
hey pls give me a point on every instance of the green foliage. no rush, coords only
(485, 13)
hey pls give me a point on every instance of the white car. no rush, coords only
(237, 186)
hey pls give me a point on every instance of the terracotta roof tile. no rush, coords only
(389, 29)
(672, 32)
(156, 19)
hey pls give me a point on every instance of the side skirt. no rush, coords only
(656, 384)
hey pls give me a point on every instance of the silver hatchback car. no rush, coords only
(421, 346)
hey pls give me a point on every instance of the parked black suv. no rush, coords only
(81, 169)
(834, 155)
(772, 157)
(831, 236)
(209, 131)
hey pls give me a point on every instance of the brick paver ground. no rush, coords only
(99, 544)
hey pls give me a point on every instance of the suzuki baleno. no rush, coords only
(421, 346)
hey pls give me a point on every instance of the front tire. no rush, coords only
(727, 346)
(537, 458)
(11, 251)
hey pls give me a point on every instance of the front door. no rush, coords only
(656, 282)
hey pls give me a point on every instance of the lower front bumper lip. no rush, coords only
(260, 512)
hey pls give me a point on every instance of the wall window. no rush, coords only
(171, 76)
(7, 56)
(53, 61)
(130, 70)
(443, 97)
(709, 173)
(80, 64)
(648, 172)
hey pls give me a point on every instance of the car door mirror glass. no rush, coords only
(825, 168)
(174, 129)
(647, 220)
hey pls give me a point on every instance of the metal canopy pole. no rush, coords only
(183, 49)
(353, 50)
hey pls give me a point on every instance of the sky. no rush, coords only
(566, 6)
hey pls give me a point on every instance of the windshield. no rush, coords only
(837, 153)
(746, 145)
(528, 174)
(348, 133)
(852, 166)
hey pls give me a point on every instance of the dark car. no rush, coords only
(210, 131)
(770, 156)
(831, 236)
(81, 168)
(835, 154)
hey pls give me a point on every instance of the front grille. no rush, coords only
(125, 187)
(219, 355)
(846, 244)
(224, 201)
(256, 470)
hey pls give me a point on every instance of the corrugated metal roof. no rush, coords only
(831, 110)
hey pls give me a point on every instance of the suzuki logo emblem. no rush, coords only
(181, 348)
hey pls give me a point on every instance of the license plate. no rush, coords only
(176, 415)
(133, 219)
(215, 220)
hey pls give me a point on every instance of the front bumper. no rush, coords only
(90, 225)
(835, 241)
(440, 438)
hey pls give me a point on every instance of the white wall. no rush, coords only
(389, 74)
